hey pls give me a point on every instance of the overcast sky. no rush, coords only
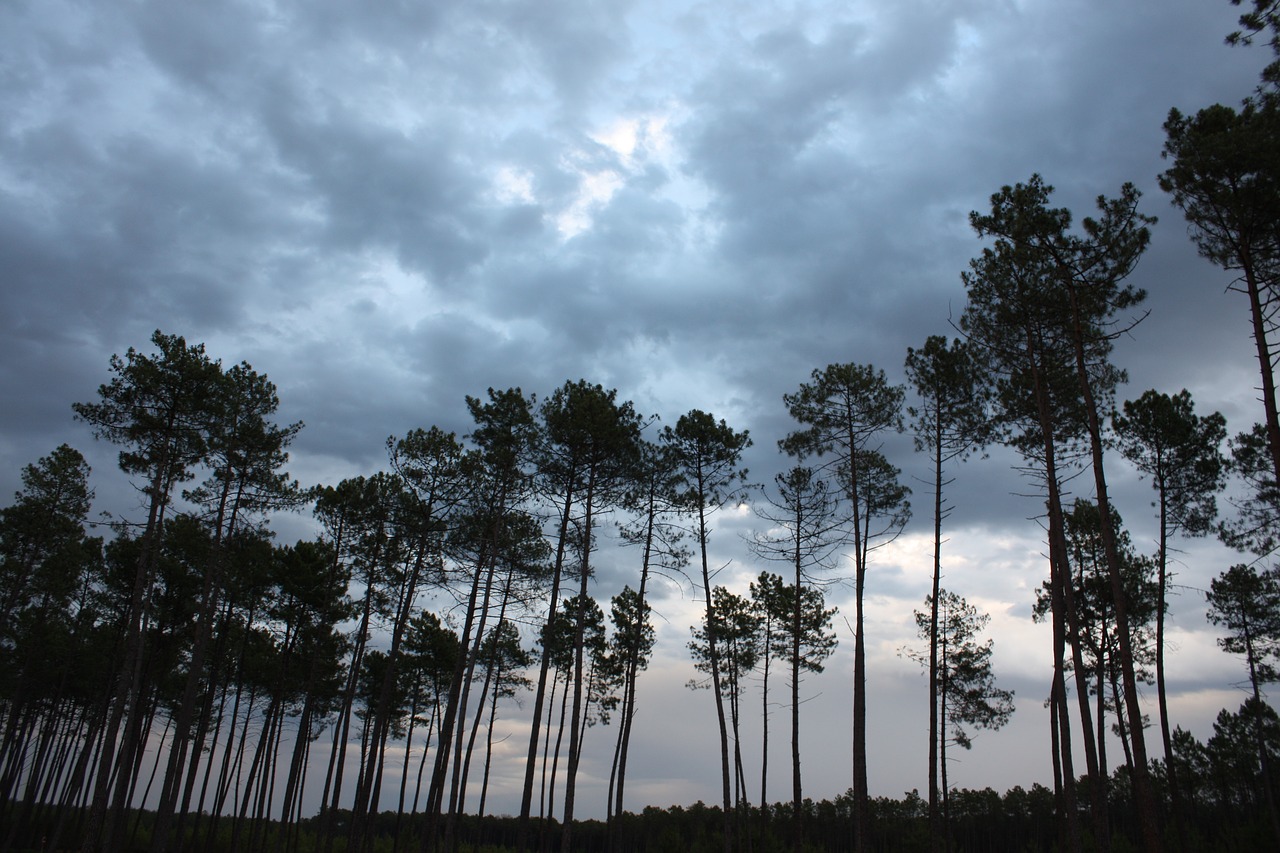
(387, 206)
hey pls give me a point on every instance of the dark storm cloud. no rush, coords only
(222, 162)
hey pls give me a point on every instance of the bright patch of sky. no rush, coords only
(960, 74)
(638, 143)
(513, 185)
(595, 188)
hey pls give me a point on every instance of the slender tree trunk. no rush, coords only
(267, 785)
(432, 724)
(174, 770)
(381, 710)
(14, 748)
(935, 732)
(555, 760)
(1266, 364)
(1066, 620)
(1094, 751)
(75, 785)
(223, 782)
(576, 722)
(404, 772)
(459, 701)
(41, 769)
(130, 753)
(1264, 761)
(526, 796)
(623, 711)
(1101, 733)
(764, 711)
(1148, 810)
(1072, 632)
(255, 775)
(375, 796)
(861, 810)
(633, 666)
(860, 788)
(1071, 820)
(741, 805)
(591, 678)
(332, 795)
(297, 816)
(543, 806)
(61, 726)
(485, 689)
(1125, 741)
(713, 657)
(1060, 589)
(797, 801)
(151, 778)
(1166, 734)
(17, 763)
(613, 775)
(292, 787)
(942, 745)
(488, 753)
(99, 823)
(202, 730)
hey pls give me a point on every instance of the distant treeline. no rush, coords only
(1225, 816)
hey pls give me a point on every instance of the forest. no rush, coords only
(178, 679)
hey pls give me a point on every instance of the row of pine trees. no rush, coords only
(192, 664)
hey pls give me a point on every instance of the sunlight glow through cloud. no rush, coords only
(513, 185)
(594, 191)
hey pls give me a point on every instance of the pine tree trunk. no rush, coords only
(1166, 735)
(526, 796)
(1148, 810)
(577, 723)
(935, 732)
(797, 800)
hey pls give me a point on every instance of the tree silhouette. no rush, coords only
(1064, 293)
(951, 420)
(1225, 177)
(161, 410)
(1247, 603)
(707, 455)
(731, 637)
(843, 412)
(653, 501)
(967, 691)
(1181, 453)
(806, 529)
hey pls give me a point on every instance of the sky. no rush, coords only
(388, 206)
